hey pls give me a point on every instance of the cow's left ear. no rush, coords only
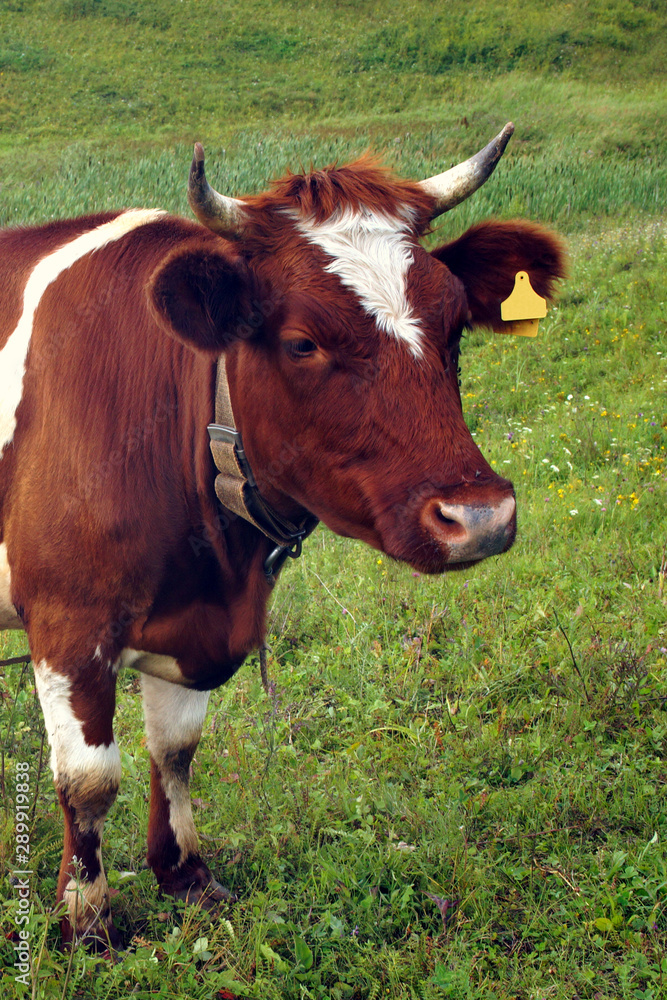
(487, 257)
(201, 295)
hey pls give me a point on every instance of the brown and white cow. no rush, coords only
(341, 337)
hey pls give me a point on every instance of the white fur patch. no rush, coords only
(14, 354)
(371, 255)
(174, 719)
(174, 715)
(76, 764)
(86, 902)
(8, 616)
(180, 815)
(164, 667)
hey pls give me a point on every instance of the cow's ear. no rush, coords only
(487, 257)
(202, 296)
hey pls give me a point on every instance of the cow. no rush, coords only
(180, 403)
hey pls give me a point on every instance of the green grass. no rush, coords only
(159, 69)
(495, 738)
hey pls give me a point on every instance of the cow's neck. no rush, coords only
(208, 610)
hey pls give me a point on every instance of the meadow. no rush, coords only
(455, 786)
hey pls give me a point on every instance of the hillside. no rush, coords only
(157, 71)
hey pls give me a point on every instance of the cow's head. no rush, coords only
(342, 337)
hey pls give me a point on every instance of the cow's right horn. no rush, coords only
(457, 184)
(215, 211)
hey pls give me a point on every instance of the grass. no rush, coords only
(490, 746)
(159, 69)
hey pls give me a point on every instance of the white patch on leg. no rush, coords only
(371, 254)
(89, 773)
(174, 715)
(174, 719)
(15, 352)
(8, 615)
(89, 776)
(86, 902)
(164, 667)
(180, 814)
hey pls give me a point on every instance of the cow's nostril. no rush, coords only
(443, 522)
(441, 516)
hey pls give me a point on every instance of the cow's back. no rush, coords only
(21, 250)
(92, 415)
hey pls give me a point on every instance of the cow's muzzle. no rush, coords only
(450, 528)
(467, 533)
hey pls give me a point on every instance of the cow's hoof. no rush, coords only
(103, 940)
(210, 897)
(193, 883)
(109, 956)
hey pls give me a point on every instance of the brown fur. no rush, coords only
(319, 193)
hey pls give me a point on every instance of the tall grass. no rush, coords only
(549, 181)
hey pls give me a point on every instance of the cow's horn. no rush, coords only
(460, 182)
(216, 211)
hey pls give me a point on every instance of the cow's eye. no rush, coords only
(298, 349)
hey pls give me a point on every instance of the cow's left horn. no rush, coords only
(216, 211)
(457, 184)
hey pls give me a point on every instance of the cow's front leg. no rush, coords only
(78, 711)
(174, 718)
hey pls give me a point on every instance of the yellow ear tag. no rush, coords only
(524, 308)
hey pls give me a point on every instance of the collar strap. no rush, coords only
(237, 489)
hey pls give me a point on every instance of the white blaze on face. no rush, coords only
(14, 354)
(174, 718)
(371, 254)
